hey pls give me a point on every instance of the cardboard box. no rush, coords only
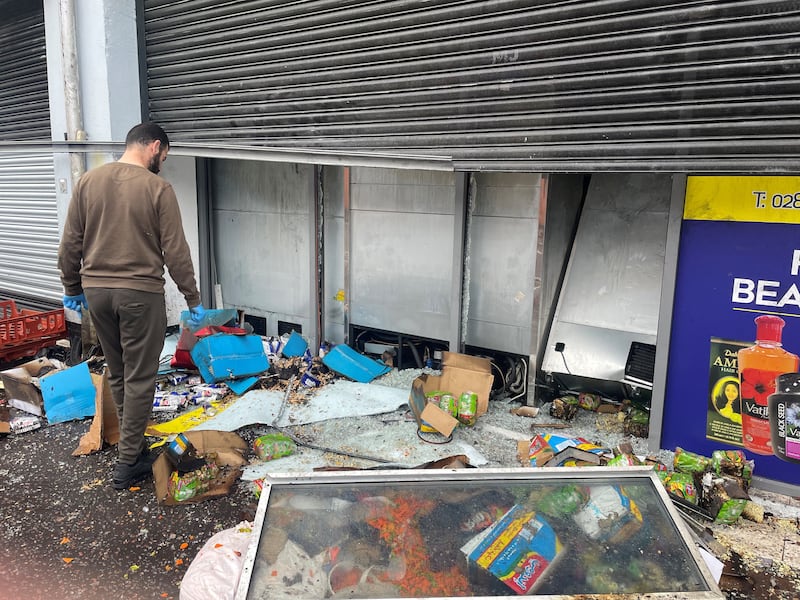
(460, 373)
(22, 384)
(230, 450)
(535, 452)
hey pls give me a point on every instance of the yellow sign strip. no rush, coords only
(754, 199)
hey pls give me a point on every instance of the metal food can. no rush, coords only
(468, 408)
(447, 402)
(434, 397)
(178, 447)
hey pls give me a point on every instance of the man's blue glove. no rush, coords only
(75, 302)
(196, 315)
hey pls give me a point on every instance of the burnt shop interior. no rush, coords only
(556, 278)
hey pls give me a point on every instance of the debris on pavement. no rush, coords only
(752, 550)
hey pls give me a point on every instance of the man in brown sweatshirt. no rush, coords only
(123, 226)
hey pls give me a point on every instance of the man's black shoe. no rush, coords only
(126, 475)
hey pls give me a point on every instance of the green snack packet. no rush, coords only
(726, 500)
(194, 483)
(183, 490)
(563, 501)
(728, 462)
(637, 423)
(273, 445)
(730, 511)
(682, 485)
(689, 462)
(624, 460)
(662, 474)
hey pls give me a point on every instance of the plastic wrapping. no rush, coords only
(215, 571)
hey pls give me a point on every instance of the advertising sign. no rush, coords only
(739, 261)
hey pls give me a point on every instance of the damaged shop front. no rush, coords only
(303, 413)
(571, 284)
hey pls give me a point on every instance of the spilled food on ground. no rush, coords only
(298, 414)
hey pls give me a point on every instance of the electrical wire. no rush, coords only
(518, 383)
(566, 366)
(415, 353)
(447, 440)
(524, 365)
(502, 376)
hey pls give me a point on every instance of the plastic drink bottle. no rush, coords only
(759, 366)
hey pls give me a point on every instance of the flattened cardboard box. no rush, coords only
(105, 424)
(230, 450)
(460, 373)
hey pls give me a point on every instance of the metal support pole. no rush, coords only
(74, 118)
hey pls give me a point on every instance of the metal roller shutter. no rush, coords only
(28, 227)
(29, 232)
(560, 85)
(24, 103)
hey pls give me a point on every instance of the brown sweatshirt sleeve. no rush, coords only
(177, 256)
(70, 250)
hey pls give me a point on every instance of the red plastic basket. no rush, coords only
(25, 332)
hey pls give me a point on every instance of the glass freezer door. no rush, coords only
(471, 533)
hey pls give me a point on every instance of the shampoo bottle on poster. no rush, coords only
(759, 366)
(784, 417)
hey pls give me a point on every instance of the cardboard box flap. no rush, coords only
(216, 441)
(416, 399)
(105, 424)
(441, 421)
(455, 360)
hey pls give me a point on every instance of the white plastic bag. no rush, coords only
(293, 575)
(215, 571)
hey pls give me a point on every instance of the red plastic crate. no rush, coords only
(25, 332)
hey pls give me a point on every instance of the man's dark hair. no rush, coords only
(145, 133)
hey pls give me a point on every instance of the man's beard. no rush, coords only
(154, 166)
